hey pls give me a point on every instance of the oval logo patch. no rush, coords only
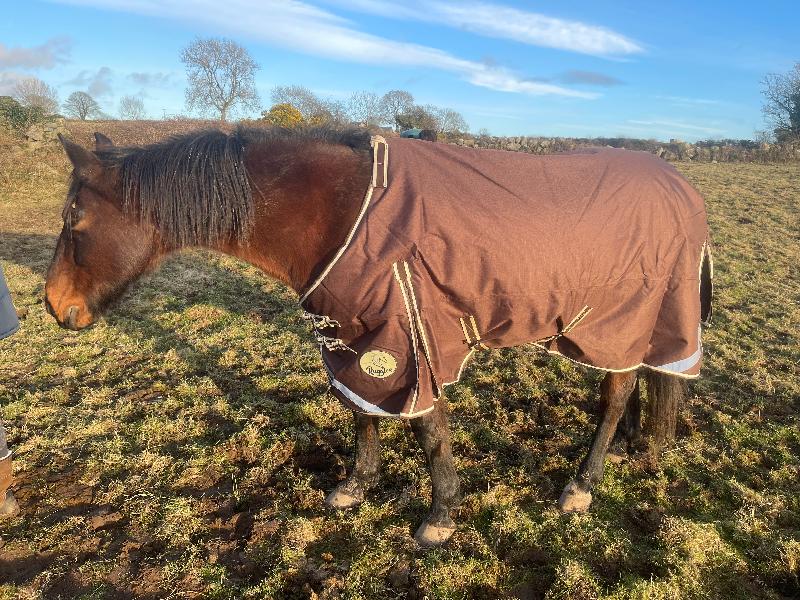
(377, 363)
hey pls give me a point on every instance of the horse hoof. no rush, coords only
(430, 536)
(9, 508)
(342, 499)
(617, 452)
(574, 499)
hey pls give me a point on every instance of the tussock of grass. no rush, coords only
(198, 410)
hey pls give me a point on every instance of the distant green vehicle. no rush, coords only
(419, 134)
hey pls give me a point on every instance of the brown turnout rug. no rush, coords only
(599, 256)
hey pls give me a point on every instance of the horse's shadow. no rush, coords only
(181, 283)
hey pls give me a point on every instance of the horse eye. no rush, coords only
(76, 214)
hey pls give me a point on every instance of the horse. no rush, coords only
(290, 201)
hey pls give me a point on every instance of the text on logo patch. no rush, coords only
(377, 363)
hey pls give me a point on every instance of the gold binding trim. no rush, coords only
(413, 333)
(466, 333)
(478, 341)
(375, 142)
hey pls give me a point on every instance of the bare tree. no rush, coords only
(336, 113)
(81, 106)
(32, 92)
(450, 121)
(395, 103)
(781, 108)
(131, 108)
(365, 108)
(221, 76)
(314, 109)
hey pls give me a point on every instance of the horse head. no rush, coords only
(102, 247)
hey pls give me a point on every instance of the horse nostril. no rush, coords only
(72, 317)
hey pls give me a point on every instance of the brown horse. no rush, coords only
(284, 201)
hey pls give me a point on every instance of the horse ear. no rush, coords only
(86, 164)
(102, 142)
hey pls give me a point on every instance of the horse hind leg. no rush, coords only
(665, 395)
(614, 393)
(433, 435)
(366, 470)
(629, 430)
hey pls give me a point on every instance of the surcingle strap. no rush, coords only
(584, 312)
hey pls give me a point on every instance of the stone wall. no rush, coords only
(675, 150)
(45, 133)
(144, 132)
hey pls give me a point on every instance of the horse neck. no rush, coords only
(306, 197)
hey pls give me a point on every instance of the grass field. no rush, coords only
(182, 447)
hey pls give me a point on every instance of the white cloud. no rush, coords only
(155, 79)
(505, 22)
(43, 56)
(503, 81)
(301, 27)
(9, 81)
(97, 83)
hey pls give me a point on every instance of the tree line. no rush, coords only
(34, 101)
(296, 104)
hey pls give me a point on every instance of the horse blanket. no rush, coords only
(596, 255)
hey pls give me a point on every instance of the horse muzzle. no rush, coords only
(74, 318)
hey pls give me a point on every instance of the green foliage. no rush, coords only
(283, 115)
(19, 118)
(417, 117)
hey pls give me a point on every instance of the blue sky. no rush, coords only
(682, 69)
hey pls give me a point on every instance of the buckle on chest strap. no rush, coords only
(330, 343)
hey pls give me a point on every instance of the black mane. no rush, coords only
(195, 188)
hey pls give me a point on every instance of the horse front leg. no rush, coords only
(433, 435)
(366, 470)
(614, 393)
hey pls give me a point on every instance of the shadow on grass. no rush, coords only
(31, 250)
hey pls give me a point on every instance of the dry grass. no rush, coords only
(182, 446)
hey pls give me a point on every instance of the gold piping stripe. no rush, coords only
(375, 165)
(578, 318)
(385, 164)
(464, 328)
(375, 140)
(477, 333)
(420, 326)
(625, 370)
(461, 368)
(413, 333)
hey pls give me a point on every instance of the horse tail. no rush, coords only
(706, 285)
(665, 396)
